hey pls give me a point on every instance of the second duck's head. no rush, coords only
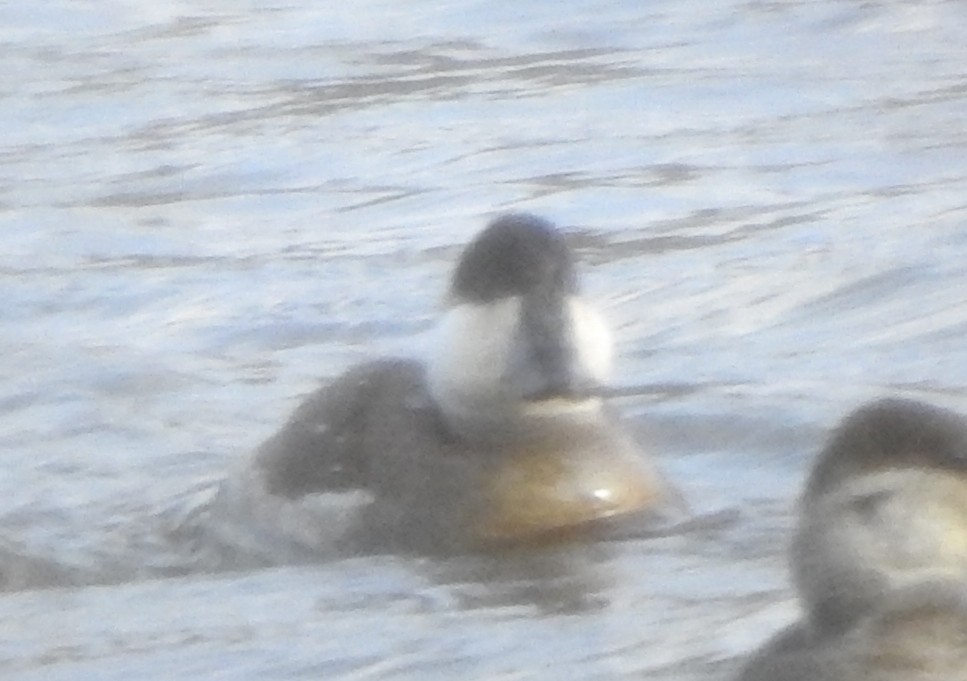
(884, 507)
(516, 342)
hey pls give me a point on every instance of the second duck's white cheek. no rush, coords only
(474, 345)
(886, 530)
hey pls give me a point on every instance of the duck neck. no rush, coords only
(529, 422)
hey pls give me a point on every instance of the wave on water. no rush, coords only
(216, 526)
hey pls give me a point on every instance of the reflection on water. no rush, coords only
(565, 580)
(208, 208)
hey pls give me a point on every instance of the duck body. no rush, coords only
(916, 633)
(378, 429)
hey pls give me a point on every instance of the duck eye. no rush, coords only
(868, 505)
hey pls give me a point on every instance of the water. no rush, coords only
(209, 207)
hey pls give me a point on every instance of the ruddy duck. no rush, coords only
(501, 436)
(879, 558)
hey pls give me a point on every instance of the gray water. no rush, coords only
(209, 207)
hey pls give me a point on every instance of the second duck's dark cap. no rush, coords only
(891, 433)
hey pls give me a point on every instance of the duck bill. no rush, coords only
(541, 495)
(547, 367)
(562, 349)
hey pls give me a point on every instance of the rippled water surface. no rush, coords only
(208, 207)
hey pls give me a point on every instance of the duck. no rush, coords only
(501, 436)
(879, 555)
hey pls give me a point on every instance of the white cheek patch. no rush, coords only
(474, 346)
(474, 367)
(594, 351)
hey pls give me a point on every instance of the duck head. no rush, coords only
(517, 344)
(885, 507)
